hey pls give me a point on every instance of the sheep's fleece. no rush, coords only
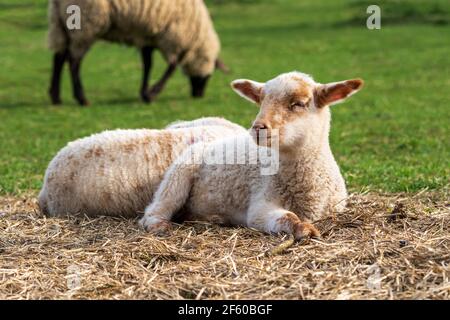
(177, 27)
(116, 172)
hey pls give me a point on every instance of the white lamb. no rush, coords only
(294, 110)
(117, 172)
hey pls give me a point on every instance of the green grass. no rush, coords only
(392, 136)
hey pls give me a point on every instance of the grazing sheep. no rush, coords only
(116, 172)
(294, 112)
(181, 29)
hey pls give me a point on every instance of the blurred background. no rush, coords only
(393, 136)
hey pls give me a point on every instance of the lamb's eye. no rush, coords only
(297, 104)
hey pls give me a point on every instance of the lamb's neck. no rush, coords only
(305, 154)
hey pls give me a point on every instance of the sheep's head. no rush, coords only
(201, 61)
(293, 108)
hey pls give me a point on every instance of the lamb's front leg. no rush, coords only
(169, 198)
(266, 218)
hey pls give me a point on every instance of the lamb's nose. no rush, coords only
(259, 126)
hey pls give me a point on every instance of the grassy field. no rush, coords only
(393, 136)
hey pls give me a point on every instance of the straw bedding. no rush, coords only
(383, 247)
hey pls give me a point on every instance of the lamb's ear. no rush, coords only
(336, 92)
(250, 90)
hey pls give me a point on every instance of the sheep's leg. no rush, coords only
(77, 86)
(147, 62)
(274, 220)
(169, 198)
(157, 88)
(55, 86)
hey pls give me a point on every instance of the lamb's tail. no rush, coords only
(57, 36)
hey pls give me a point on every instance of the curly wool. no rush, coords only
(310, 186)
(116, 172)
(179, 28)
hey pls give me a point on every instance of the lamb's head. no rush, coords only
(294, 109)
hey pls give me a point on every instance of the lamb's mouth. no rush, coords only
(265, 141)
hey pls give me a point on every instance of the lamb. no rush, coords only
(308, 185)
(115, 173)
(181, 29)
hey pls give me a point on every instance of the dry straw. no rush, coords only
(382, 247)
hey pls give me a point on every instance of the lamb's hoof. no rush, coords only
(304, 231)
(161, 229)
(156, 226)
